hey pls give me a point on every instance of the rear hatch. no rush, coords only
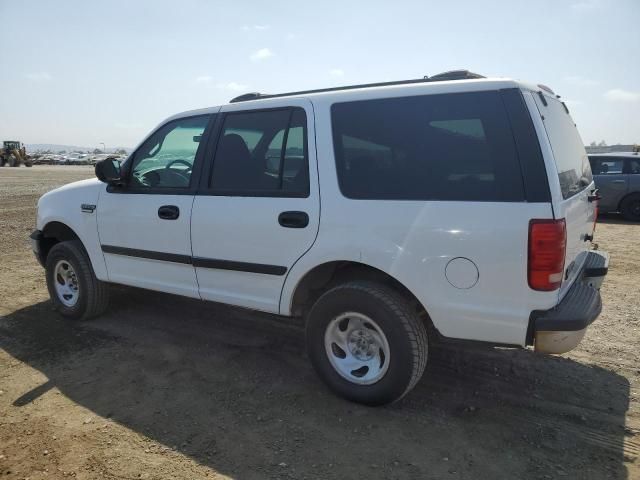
(573, 174)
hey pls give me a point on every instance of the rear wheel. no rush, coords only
(366, 342)
(630, 207)
(73, 287)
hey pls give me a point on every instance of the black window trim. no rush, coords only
(195, 172)
(206, 174)
(528, 151)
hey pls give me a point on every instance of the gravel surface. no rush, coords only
(166, 387)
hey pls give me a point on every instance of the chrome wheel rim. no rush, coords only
(357, 348)
(66, 283)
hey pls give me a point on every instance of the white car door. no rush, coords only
(144, 225)
(258, 208)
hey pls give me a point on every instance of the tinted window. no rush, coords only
(165, 159)
(439, 147)
(262, 152)
(574, 171)
(634, 166)
(606, 166)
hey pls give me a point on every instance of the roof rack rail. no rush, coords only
(451, 75)
(547, 89)
(246, 97)
(454, 75)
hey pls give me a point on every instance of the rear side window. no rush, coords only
(262, 153)
(574, 171)
(433, 147)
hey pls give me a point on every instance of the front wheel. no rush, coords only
(366, 342)
(73, 287)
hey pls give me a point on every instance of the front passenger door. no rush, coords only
(144, 226)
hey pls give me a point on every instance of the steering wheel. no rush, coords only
(179, 161)
(184, 174)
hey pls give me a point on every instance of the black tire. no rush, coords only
(630, 207)
(93, 294)
(404, 330)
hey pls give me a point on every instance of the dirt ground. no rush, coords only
(166, 387)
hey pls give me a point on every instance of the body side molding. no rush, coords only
(197, 261)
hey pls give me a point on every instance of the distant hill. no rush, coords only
(55, 148)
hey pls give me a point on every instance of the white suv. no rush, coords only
(455, 207)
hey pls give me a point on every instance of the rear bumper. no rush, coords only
(561, 328)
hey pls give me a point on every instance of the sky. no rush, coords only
(86, 72)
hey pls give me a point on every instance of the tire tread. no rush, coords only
(625, 205)
(97, 291)
(409, 320)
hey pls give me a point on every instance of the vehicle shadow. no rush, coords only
(233, 390)
(614, 218)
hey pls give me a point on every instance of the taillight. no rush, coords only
(547, 242)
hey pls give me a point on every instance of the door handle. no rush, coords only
(618, 181)
(293, 219)
(168, 212)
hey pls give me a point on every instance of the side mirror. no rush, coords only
(108, 171)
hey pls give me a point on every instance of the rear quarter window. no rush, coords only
(432, 147)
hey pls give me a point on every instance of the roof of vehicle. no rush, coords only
(451, 75)
(448, 82)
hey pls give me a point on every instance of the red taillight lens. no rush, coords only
(547, 242)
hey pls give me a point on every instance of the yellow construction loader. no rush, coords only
(14, 154)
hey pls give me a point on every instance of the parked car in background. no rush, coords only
(617, 177)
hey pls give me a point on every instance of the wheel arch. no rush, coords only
(59, 230)
(627, 195)
(324, 276)
(52, 233)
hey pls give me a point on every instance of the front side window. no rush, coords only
(606, 166)
(634, 166)
(262, 152)
(165, 160)
(432, 147)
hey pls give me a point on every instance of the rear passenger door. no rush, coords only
(611, 181)
(633, 170)
(258, 209)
